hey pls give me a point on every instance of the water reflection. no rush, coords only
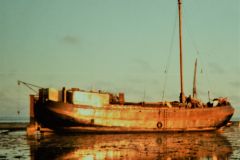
(132, 146)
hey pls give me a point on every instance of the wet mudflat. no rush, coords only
(202, 145)
(14, 145)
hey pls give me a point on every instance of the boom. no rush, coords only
(29, 85)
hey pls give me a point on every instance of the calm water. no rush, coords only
(211, 145)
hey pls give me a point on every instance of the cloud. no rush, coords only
(142, 80)
(135, 80)
(143, 65)
(104, 85)
(215, 68)
(235, 84)
(72, 40)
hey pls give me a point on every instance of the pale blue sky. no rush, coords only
(118, 45)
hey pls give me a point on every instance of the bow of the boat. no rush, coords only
(53, 114)
(223, 115)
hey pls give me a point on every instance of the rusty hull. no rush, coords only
(130, 118)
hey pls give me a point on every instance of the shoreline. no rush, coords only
(13, 125)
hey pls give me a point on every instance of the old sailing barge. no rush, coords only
(86, 111)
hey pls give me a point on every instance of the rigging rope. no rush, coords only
(203, 64)
(169, 56)
(199, 55)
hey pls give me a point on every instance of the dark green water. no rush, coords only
(202, 145)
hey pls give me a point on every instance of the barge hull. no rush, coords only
(120, 118)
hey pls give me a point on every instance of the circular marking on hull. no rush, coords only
(159, 125)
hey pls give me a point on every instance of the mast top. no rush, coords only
(194, 80)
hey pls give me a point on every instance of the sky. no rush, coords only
(128, 46)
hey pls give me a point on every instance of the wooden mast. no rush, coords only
(182, 96)
(194, 81)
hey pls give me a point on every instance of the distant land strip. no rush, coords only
(13, 126)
